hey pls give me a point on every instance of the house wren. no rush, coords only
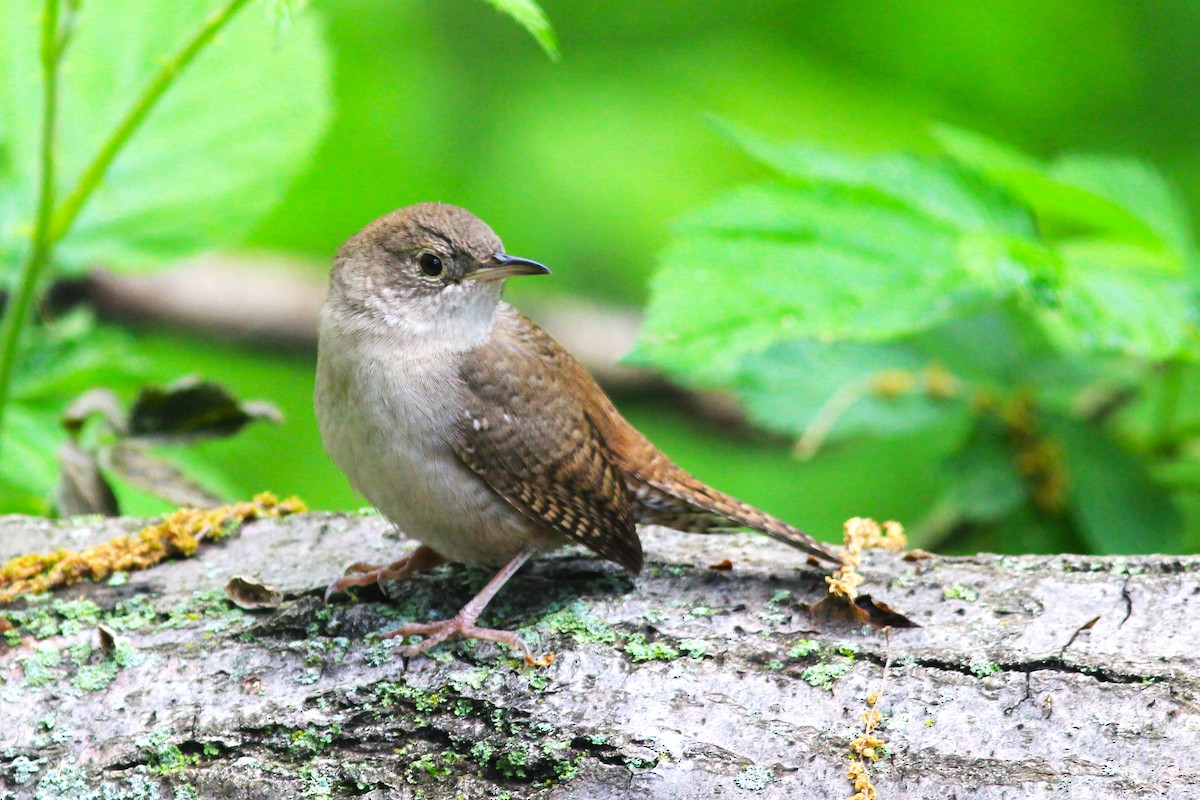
(476, 433)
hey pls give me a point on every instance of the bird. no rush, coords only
(475, 432)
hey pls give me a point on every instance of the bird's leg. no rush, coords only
(463, 623)
(419, 560)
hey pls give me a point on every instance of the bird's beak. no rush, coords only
(501, 266)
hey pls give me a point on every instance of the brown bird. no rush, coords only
(473, 430)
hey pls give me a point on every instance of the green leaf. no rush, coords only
(29, 468)
(209, 161)
(999, 351)
(1118, 506)
(1113, 302)
(1121, 198)
(794, 385)
(936, 189)
(529, 15)
(982, 478)
(72, 354)
(857, 250)
(1136, 188)
(281, 13)
(715, 300)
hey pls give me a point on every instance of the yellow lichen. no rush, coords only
(865, 746)
(178, 534)
(861, 533)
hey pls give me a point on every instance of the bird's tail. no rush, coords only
(707, 499)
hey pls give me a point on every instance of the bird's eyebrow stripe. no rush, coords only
(436, 234)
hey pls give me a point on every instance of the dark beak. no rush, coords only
(501, 266)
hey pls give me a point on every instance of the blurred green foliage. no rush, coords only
(201, 171)
(1028, 306)
(584, 162)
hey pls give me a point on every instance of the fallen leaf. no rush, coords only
(855, 613)
(94, 401)
(190, 409)
(251, 595)
(108, 639)
(82, 487)
(133, 462)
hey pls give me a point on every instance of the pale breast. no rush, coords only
(386, 414)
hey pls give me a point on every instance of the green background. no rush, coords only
(583, 164)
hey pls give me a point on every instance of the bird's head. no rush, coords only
(430, 270)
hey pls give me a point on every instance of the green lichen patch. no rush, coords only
(982, 667)
(641, 650)
(577, 621)
(505, 743)
(66, 781)
(312, 741)
(848, 649)
(956, 591)
(41, 666)
(44, 617)
(88, 670)
(379, 652)
(754, 778)
(131, 614)
(803, 648)
(832, 660)
(23, 769)
(823, 676)
(211, 608)
(163, 757)
(94, 677)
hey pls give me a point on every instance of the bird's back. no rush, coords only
(658, 490)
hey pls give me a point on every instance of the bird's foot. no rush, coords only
(361, 573)
(463, 623)
(460, 625)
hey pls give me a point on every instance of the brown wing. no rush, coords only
(526, 432)
(667, 495)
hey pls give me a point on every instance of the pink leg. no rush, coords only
(463, 623)
(419, 560)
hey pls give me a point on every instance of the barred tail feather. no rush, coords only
(704, 498)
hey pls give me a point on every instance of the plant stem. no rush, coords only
(52, 225)
(52, 47)
(170, 70)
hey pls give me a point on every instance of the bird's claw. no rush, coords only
(437, 632)
(361, 578)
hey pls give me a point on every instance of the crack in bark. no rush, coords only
(1057, 664)
(1128, 598)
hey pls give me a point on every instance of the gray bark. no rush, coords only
(1038, 676)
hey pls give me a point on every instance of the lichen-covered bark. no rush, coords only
(1058, 676)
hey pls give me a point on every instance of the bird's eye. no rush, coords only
(430, 264)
